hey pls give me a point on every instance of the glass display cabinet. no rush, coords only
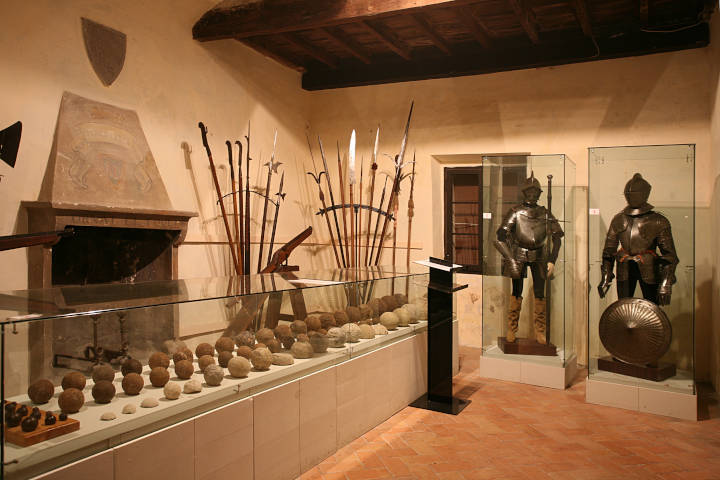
(87, 368)
(641, 253)
(529, 225)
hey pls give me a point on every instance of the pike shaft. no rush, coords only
(373, 169)
(236, 223)
(247, 204)
(344, 212)
(332, 201)
(264, 218)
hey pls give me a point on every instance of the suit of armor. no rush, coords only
(522, 239)
(640, 233)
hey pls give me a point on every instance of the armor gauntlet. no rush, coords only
(665, 287)
(607, 277)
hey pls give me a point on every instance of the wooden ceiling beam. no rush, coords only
(583, 16)
(346, 44)
(263, 50)
(430, 32)
(477, 30)
(387, 38)
(308, 49)
(527, 19)
(269, 17)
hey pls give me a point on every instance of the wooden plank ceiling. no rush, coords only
(343, 43)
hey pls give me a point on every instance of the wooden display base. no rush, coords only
(42, 432)
(526, 346)
(657, 374)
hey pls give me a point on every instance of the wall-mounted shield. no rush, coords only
(105, 48)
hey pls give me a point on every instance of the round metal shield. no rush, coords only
(635, 330)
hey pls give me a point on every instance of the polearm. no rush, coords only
(351, 175)
(548, 285)
(332, 201)
(280, 196)
(344, 211)
(358, 214)
(235, 245)
(317, 179)
(271, 166)
(241, 216)
(411, 213)
(203, 132)
(398, 173)
(247, 204)
(373, 170)
(377, 221)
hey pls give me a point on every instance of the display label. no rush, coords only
(594, 211)
(487, 215)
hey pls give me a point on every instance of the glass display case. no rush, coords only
(642, 269)
(85, 368)
(527, 315)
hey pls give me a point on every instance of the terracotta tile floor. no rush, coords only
(513, 431)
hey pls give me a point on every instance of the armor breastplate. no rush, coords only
(531, 227)
(639, 233)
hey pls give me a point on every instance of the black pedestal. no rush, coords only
(657, 374)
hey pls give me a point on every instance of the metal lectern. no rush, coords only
(439, 396)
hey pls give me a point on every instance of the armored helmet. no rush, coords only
(531, 182)
(637, 191)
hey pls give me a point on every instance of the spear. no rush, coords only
(271, 166)
(203, 132)
(396, 187)
(241, 239)
(351, 174)
(344, 211)
(396, 205)
(332, 201)
(411, 213)
(280, 196)
(358, 223)
(377, 221)
(247, 204)
(373, 170)
(236, 245)
(317, 179)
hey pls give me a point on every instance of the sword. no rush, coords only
(271, 166)
(317, 179)
(373, 170)
(332, 201)
(236, 245)
(280, 196)
(351, 174)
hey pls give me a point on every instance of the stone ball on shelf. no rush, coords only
(224, 357)
(287, 342)
(245, 338)
(327, 320)
(132, 383)
(158, 359)
(274, 345)
(319, 342)
(380, 329)
(178, 356)
(302, 350)
(239, 367)
(366, 311)
(375, 304)
(159, 376)
(173, 345)
(283, 330)
(244, 351)
(354, 314)
(389, 320)
(192, 386)
(103, 372)
(341, 317)
(131, 365)
(366, 331)
(336, 337)
(129, 409)
(188, 353)
(264, 335)
(401, 299)
(261, 358)
(103, 391)
(298, 327)
(352, 332)
(403, 317)
(282, 359)
(390, 302)
(259, 345)
(73, 380)
(422, 310)
(322, 331)
(204, 361)
(184, 369)
(313, 322)
(213, 375)
(204, 349)
(172, 390)
(302, 337)
(149, 402)
(224, 344)
(41, 391)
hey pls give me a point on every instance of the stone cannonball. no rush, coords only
(422, 310)
(283, 359)
(264, 335)
(327, 320)
(131, 365)
(224, 357)
(341, 317)
(354, 314)
(204, 361)
(204, 349)
(184, 369)
(390, 302)
(411, 308)
(73, 380)
(400, 299)
(298, 327)
(403, 317)
(302, 337)
(261, 359)
(158, 359)
(366, 331)
(352, 332)
(302, 350)
(336, 337)
(172, 346)
(319, 342)
(172, 390)
(213, 375)
(177, 356)
(224, 344)
(274, 345)
(103, 391)
(71, 400)
(322, 331)
(375, 304)
(244, 351)
(188, 354)
(132, 383)
(283, 330)
(259, 345)
(380, 329)
(389, 320)
(239, 367)
(366, 311)
(192, 386)
(41, 391)
(103, 372)
(313, 322)
(245, 338)
(159, 376)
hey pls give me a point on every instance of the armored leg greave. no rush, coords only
(540, 322)
(513, 317)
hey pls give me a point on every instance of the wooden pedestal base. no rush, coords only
(656, 374)
(526, 346)
(42, 432)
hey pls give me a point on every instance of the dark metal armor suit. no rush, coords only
(640, 233)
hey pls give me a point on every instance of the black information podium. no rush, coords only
(439, 396)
